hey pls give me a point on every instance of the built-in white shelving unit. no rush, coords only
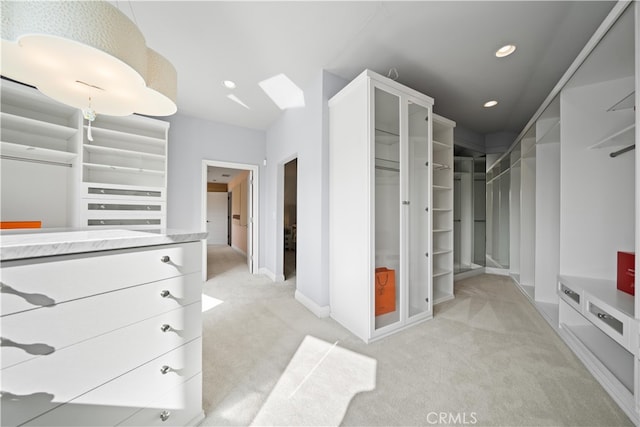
(563, 250)
(53, 173)
(39, 157)
(388, 181)
(442, 210)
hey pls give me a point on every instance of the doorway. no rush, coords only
(290, 217)
(230, 209)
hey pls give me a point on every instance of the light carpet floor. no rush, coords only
(487, 358)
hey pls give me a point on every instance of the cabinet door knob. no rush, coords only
(165, 293)
(164, 369)
(165, 328)
(165, 259)
(164, 415)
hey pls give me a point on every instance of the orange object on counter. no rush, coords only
(6, 225)
(385, 291)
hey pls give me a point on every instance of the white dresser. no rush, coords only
(101, 327)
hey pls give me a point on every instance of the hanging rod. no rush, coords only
(623, 150)
(386, 168)
(44, 162)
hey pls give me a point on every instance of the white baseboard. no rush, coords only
(237, 249)
(312, 306)
(271, 275)
(497, 271)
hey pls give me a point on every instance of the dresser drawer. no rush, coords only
(571, 295)
(610, 321)
(119, 399)
(38, 385)
(33, 283)
(65, 324)
(178, 407)
(122, 192)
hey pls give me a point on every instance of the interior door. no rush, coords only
(217, 213)
(250, 216)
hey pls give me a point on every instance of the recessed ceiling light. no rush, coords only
(505, 50)
(229, 84)
(491, 103)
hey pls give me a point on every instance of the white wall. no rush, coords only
(192, 140)
(302, 133)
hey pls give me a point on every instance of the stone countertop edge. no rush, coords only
(24, 245)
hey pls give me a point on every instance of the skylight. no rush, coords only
(283, 92)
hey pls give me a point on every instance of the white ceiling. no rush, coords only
(443, 49)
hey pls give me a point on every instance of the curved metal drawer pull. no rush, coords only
(165, 328)
(165, 259)
(165, 293)
(164, 415)
(605, 316)
(569, 292)
(165, 369)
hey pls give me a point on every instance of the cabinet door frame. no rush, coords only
(402, 279)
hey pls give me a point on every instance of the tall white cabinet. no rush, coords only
(52, 172)
(383, 192)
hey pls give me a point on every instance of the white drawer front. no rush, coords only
(610, 321)
(43, 331)
(119, 399)
(176, 408)
(29, 284)
(572, 296)
(38, 385)
(122, 192)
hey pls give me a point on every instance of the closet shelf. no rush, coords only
(617, 139)
(439, 146)
(104, 133)
(441, 251)
(626, 103)
(551, 135)
(386, 138)
(442, 210)
(38, 127)
(120, 152)
(437, 272)
(35, 153)
(441, 230)
(113, 168)
(441, 187)
(440, 166)
(388, 165)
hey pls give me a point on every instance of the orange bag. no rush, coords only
(385, 290)
(20, 224)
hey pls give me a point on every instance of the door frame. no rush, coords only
(253, 233)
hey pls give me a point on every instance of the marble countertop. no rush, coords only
(47, 242)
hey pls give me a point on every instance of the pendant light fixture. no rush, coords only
(86, 54)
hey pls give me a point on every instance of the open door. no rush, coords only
(250, 216)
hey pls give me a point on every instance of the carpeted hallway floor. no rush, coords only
(486, 359)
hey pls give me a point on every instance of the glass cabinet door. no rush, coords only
(419, 233)
(387, 208)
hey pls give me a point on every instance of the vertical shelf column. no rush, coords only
(442, 210)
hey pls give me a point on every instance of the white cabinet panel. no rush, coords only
(178, 407)
(47, 281)
(38, 385)
(100, 313)
(119, 399)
